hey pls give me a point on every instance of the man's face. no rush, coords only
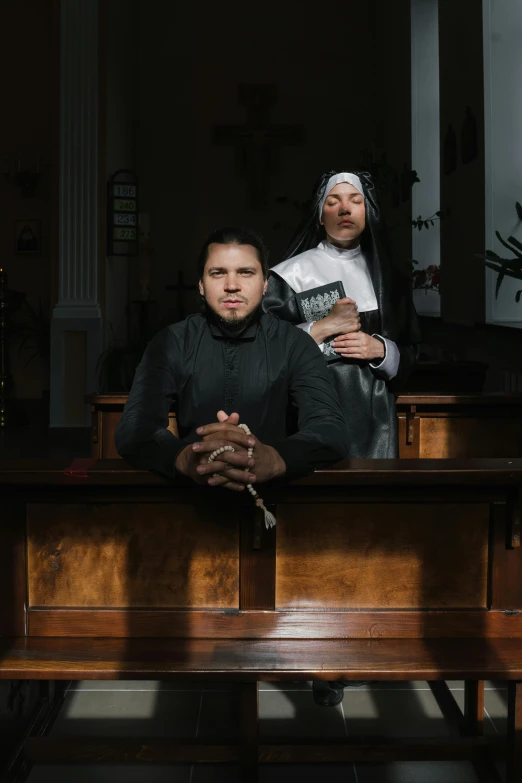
(232, 283)
(344, 216)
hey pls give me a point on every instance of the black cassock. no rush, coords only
(367, 399)
(271, 374)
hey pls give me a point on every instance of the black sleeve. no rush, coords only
(408, 339)
(322, 437)
(142, 437)
(280, 300)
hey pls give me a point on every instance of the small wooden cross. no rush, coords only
(258, 143)
(181, 287)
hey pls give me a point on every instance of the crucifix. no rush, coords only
(181, 287)
(257, 142)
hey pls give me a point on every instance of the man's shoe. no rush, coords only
(329, 693)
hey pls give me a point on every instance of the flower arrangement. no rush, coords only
(427, 279)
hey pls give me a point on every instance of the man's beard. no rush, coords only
(234, 324)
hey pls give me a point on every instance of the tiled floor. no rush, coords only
(286, 709)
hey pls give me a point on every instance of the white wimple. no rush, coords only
(269, 518)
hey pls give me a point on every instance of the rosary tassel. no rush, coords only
(270, 519)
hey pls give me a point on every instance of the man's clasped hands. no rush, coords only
(231, 469)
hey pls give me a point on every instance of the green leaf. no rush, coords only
(432, 223)
(517, 296)
(426, 224)
(514, 241)
(509, 247)
(519, 210)
(492, 254)
(500, 278)
(439, 213)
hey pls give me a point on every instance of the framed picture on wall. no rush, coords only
(28, 237)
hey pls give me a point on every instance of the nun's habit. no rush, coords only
(384, 299)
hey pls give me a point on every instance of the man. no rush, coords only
(234, 363)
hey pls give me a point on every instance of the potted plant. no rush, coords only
(506, 267)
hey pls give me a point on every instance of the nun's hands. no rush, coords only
(359, 346)
(342, 319)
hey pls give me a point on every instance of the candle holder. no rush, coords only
(9, 302)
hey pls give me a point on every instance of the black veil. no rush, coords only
(375, 245)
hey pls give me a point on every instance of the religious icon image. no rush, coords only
(28, 237)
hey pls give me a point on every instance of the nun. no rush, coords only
(340, 283)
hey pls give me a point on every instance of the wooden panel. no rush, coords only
(257, 563)
(124, 554)
(461, 438)
(12, 570)
(110, 421)
(275, 659)
(506, 578)
(260, 624)
(390, 556)
(409, 436)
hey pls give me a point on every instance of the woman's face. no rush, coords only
(344, 216)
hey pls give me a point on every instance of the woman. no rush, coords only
(373, 322)
(370, 335)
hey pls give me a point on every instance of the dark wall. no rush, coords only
(28, 132)
(342, 76)
(462, 187)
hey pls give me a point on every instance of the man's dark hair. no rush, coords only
(234, 236)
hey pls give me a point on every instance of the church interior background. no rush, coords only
(227, 113)
(235, 123)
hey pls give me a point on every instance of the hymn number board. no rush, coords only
(122, 214)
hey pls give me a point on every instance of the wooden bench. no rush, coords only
(379, 570)
(431, 426)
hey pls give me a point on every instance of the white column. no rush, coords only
(503, 146)
(77, 309)
(425, 140)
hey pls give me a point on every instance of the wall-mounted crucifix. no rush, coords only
(257, 142)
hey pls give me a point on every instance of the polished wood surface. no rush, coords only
(261, 624)
(395, 557)
(376, 569)
(112, 556)
(431, 426)
(260, 660)
(114, 473)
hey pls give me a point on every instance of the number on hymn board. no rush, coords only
(123, 205)
(125, 234)
(125, 191)
(124, 220)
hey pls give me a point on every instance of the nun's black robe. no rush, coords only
(367, 399)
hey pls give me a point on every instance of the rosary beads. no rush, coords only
(269, 518)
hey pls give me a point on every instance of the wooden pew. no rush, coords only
(378, 570)
(431, 426)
